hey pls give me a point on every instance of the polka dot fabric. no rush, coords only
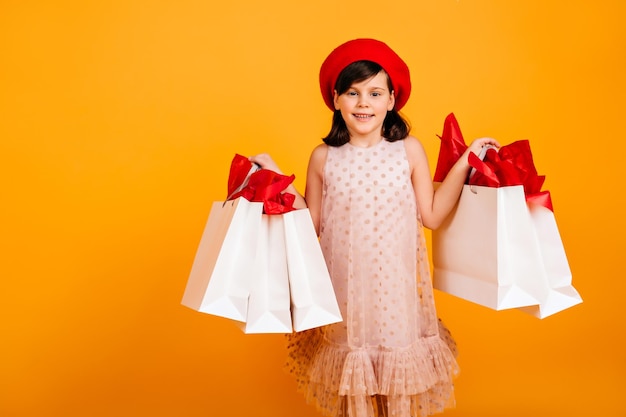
(390, 356)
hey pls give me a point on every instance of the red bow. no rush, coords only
(262, 186)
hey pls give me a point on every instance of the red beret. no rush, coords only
(369, 50)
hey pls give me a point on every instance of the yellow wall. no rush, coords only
(118, 120)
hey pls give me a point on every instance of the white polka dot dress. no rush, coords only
(388, 357)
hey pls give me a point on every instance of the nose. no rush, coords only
(362, 102)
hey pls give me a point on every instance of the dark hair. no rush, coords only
(395, 127)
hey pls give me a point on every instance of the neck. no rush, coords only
(365, 141)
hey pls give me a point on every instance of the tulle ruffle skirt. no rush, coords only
(340, 381)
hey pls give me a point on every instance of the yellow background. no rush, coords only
(118, 121)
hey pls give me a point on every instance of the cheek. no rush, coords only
(343, 102)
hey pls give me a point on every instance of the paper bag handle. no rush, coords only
(254, 168)
(481, 156)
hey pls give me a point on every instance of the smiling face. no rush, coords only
(364, 106)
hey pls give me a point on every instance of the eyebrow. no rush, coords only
(367, 88)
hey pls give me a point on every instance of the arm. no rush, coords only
(314, 183)
(435, 205)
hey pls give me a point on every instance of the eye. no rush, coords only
(352, 93)
(376, 94)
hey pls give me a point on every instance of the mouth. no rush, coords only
(362, 116)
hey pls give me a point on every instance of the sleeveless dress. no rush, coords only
(390, 356)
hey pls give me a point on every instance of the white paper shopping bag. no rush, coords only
(221, 274)
(313, 300)
(269, 301)
(486, 250)
(557, 293)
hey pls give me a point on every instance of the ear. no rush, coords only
(336, 99)
(392, 101)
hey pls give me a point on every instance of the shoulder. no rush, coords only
(319, 152)
(318, 155)
(318, 158)
(415, 153)
(414, 148)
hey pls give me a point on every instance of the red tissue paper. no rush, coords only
(510, 165)
(263, 185)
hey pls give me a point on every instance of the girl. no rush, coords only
(370, 193)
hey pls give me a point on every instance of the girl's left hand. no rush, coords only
(478, 144)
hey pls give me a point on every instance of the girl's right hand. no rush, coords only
(265, 161)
